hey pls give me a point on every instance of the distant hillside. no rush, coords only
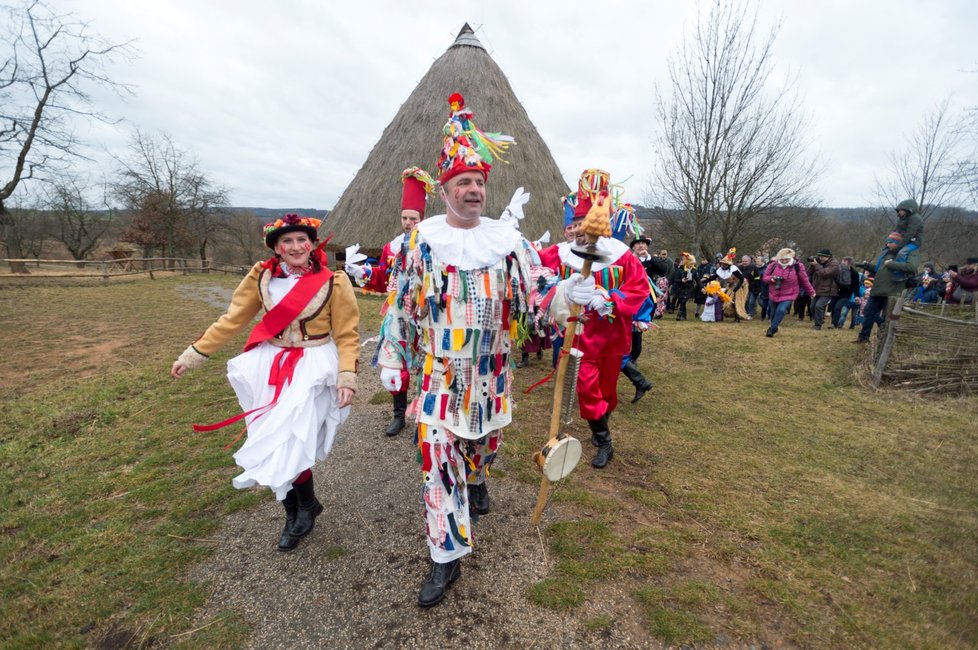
(268, 214)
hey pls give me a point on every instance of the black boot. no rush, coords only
(439, 580)
(641, 384)
(597, 426)
(309, 509)
(479, 498)
(397, 423)
(524, 359)
(287, 542)
(605, 451)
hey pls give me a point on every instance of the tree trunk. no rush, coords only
(13, 242)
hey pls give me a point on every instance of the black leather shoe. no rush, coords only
(770, 332)
(394, 428)
(287, 542)
(309, 509)
(641, 390)
(479, 499)
(605, 450)
(397, 422)
(439, 580)
(598, 427)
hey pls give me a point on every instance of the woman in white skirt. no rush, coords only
(298, 373)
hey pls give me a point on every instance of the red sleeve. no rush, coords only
(380, 273)
(634, 289)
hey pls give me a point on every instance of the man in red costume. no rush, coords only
(417, 185)
(609, 299)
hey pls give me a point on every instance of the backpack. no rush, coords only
(843, 278)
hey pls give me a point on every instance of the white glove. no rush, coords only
(390, 378)
(579, 289)
(599, 304)
(354, 271)
(514, 211)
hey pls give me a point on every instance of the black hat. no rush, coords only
(824, 253)
(972, 260)
(640, 240)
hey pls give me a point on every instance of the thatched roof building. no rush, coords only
(368, 210)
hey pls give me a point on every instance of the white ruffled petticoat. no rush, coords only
(299, 430)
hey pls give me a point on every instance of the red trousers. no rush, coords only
(597, 385)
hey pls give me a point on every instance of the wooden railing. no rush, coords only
(105, 269)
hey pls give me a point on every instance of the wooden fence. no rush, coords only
(927, 348)
(115, 268)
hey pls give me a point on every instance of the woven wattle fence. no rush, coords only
(928, 349)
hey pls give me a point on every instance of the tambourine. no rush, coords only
(559, 456)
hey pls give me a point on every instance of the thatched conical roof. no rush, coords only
(368, 210)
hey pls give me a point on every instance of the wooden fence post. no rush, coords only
(892, 319)
(105, 271)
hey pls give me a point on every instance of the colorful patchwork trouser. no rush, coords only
(448, 465)
(597, 385)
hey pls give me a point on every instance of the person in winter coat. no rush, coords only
(823, 270)
(963, 284)
(910, 225)
(893, 268)
(685, 284)
(786, 279)
(847, 281)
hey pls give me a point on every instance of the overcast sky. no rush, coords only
(282, 101)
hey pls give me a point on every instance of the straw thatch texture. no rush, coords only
(368, 210)
(935, 350)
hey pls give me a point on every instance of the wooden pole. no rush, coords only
(891, 326)
(570, 333)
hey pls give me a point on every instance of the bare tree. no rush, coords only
(240, 239)
(48, 63)
(175, 207)
(731, 153)
(77, 224)
(929, 168)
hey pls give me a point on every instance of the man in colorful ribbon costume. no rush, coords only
(417, 185)
(609, 298)
(298, 374)
(459, 299)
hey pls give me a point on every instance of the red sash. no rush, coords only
(278, 317)
(273, 322)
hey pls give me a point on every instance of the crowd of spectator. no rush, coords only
(842, 287)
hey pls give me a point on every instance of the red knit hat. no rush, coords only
(592, 182)
(418, 184)
(465, 147)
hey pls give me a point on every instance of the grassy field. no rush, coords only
(759, 493)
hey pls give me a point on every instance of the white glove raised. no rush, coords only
(579, 289)
(514, 211)
(390, 378)
(354, 271)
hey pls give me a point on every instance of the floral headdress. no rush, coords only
(290, 223)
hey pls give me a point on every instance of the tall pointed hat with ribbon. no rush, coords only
(418, 186)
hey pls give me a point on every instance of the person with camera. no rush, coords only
(786, 279)
(823, 270)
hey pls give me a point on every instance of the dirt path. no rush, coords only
(353, 582)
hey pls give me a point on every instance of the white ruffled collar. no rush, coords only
(396, 243)
(469, 248)
(608, 247)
